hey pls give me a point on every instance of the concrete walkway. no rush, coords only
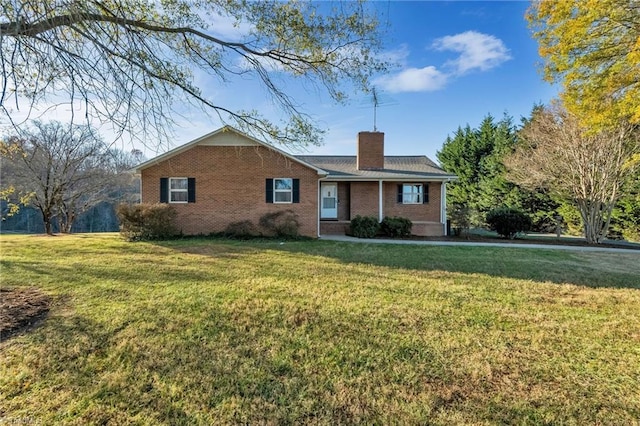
(345, 238)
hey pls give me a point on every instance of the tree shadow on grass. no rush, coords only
(589, 269)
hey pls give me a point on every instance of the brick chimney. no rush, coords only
(370, 151)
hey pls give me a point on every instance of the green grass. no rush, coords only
(222, 332)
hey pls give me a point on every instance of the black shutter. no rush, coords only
(164, 190)
(425, 193)
(191, 190)
(400, 193)
(269, 190)
(296, 190)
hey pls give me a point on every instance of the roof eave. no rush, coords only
(440, 178)
(188, 145)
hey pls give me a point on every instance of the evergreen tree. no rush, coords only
(477, 156)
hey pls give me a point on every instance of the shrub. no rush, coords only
(147, 221)
(460, 216)
(364, 226)
(396, 226)
(244, 229)
(280, 224)
(508, 222)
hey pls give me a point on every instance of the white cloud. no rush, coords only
(477, 51)
(397, 57)
(228, 28)
(425, 79)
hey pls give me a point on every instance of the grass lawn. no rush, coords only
(222, 332)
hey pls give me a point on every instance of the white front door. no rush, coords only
(328, 201)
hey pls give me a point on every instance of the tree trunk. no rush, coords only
(596, 218)
(47, 220)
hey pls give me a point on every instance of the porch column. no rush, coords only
(318, 206)
(443, 207)
(380, 200)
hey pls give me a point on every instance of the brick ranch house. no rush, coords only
(227, 176)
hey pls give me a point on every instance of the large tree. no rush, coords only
(476, 157)
(62, 170)
(592, 47)
(131, 62)
(559, 154)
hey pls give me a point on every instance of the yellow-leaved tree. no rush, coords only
(592, 47)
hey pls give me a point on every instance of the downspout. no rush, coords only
(380, 201)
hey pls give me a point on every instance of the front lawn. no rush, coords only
(223, 332)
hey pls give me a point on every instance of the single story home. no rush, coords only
(226, 177)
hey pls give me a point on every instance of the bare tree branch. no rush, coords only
(132, 63)
(586, 168)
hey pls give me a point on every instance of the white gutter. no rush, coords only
(416, 178)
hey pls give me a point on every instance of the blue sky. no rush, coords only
(457, 62)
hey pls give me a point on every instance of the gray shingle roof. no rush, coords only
(395, 167)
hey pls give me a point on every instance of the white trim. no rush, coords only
(380, 201)
(387, 179)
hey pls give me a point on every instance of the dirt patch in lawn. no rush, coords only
(20, 309)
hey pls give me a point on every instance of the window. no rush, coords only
(177, 190)
(282, 190)
(412, 193)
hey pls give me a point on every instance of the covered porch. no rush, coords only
(421, 201)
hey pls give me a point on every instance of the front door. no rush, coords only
(328, 200)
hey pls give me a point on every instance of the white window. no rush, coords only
(283, 190)
(412, 193)
(178, 190)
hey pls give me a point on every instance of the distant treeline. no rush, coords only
(100, 218)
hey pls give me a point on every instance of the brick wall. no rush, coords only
(364, 199)
(344, 201)
(428, 212)
(425, 217)
(230, 187)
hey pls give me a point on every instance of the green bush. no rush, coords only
(242, 230)
(508, 222)
(460, 216)
(147, 221)
(364, 226)
(280, 224)
(396, 226)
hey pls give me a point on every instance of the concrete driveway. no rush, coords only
(345, 238)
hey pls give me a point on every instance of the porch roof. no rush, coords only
(343, 167)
